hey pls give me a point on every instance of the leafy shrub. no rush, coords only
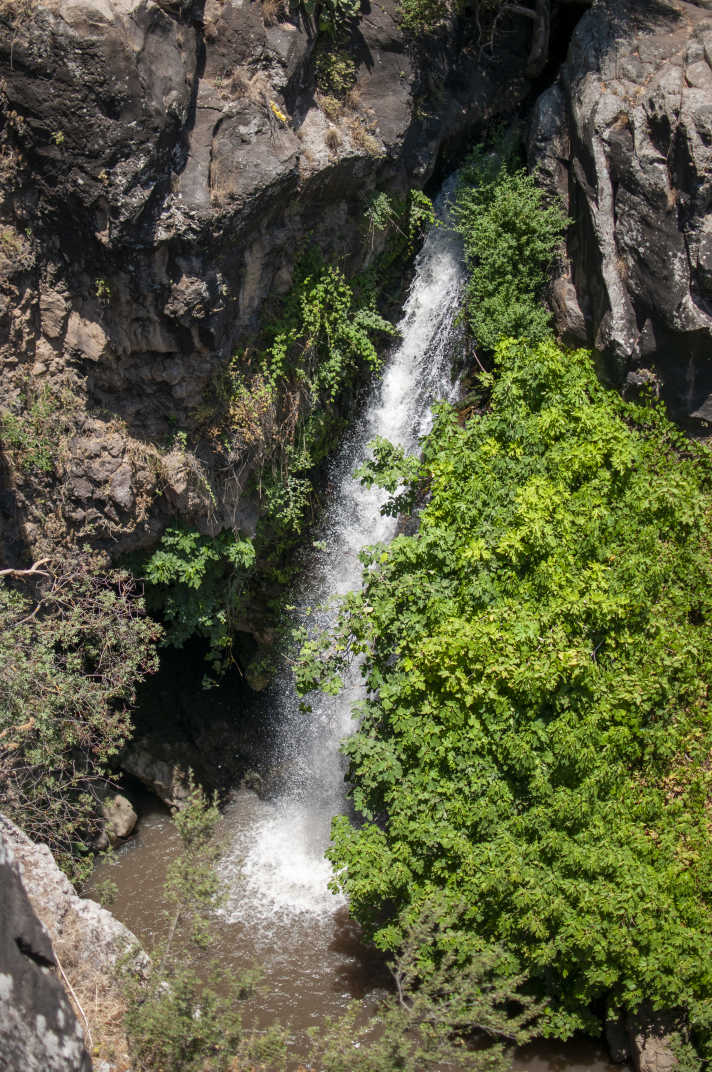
(439, 1009)
(335, 72)
(71, 655)
(195, 583)
(424, 16)
(323, 334)
(332, 16)
(536, 739)
(510, 239)
(405, 218)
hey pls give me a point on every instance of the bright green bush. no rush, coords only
(510, 237)
(324, 333)
(536, 739)
(195, 583)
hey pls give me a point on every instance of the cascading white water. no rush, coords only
(275, 867)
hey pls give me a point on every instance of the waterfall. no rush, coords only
(274, 865)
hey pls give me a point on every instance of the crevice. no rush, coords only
(32, 954)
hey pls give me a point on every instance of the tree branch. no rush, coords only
(32, 571)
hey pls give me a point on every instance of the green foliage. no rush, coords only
(510, 239)
(103, 291)
(71, 654)
(32, 436)
(424, 16)
(439, 1009)
(323, 334)
(195, 583)
(332, 17)
(335, 72)
(535, 742)
(407, 219)
(322, 341)
(183, 1013)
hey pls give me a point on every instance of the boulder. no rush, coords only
(120, 818)
(162, 766)
(38, 1026)
(624, 140)
(649, 1043)
(87, 943)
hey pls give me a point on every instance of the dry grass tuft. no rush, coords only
(332, 107)
(362, 139)
(274, 12)
(332, 139)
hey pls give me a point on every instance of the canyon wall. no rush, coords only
(162, 166)
(624, 139)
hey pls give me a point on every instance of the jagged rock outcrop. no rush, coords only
(38, 1027)
(624, 138)
(81, 936)
(156, 197)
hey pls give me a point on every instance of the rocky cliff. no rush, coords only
(162, 165)
(38, 1027)
(624, 138)
(56, 944)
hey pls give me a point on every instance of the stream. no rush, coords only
(279, 911)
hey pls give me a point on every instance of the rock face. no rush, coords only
(163, 767)
(160, 193)
(643, 1040)
(38, 1028)
(78, 934)
(624, 138)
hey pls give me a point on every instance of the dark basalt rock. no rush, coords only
(624, 138)
(162, 166)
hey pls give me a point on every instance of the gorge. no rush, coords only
(209, 212)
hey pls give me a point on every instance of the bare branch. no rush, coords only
(32, 571)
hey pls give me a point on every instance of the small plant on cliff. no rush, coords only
(183, 1011)
(335, 72)
(510, 237)
(74, 643)
(324, 333)
(32, 437)
(332, 17)
(424, 16)
(406, 219)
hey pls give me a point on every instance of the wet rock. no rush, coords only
(624, 139)
(38, 1027)
(163, 767)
